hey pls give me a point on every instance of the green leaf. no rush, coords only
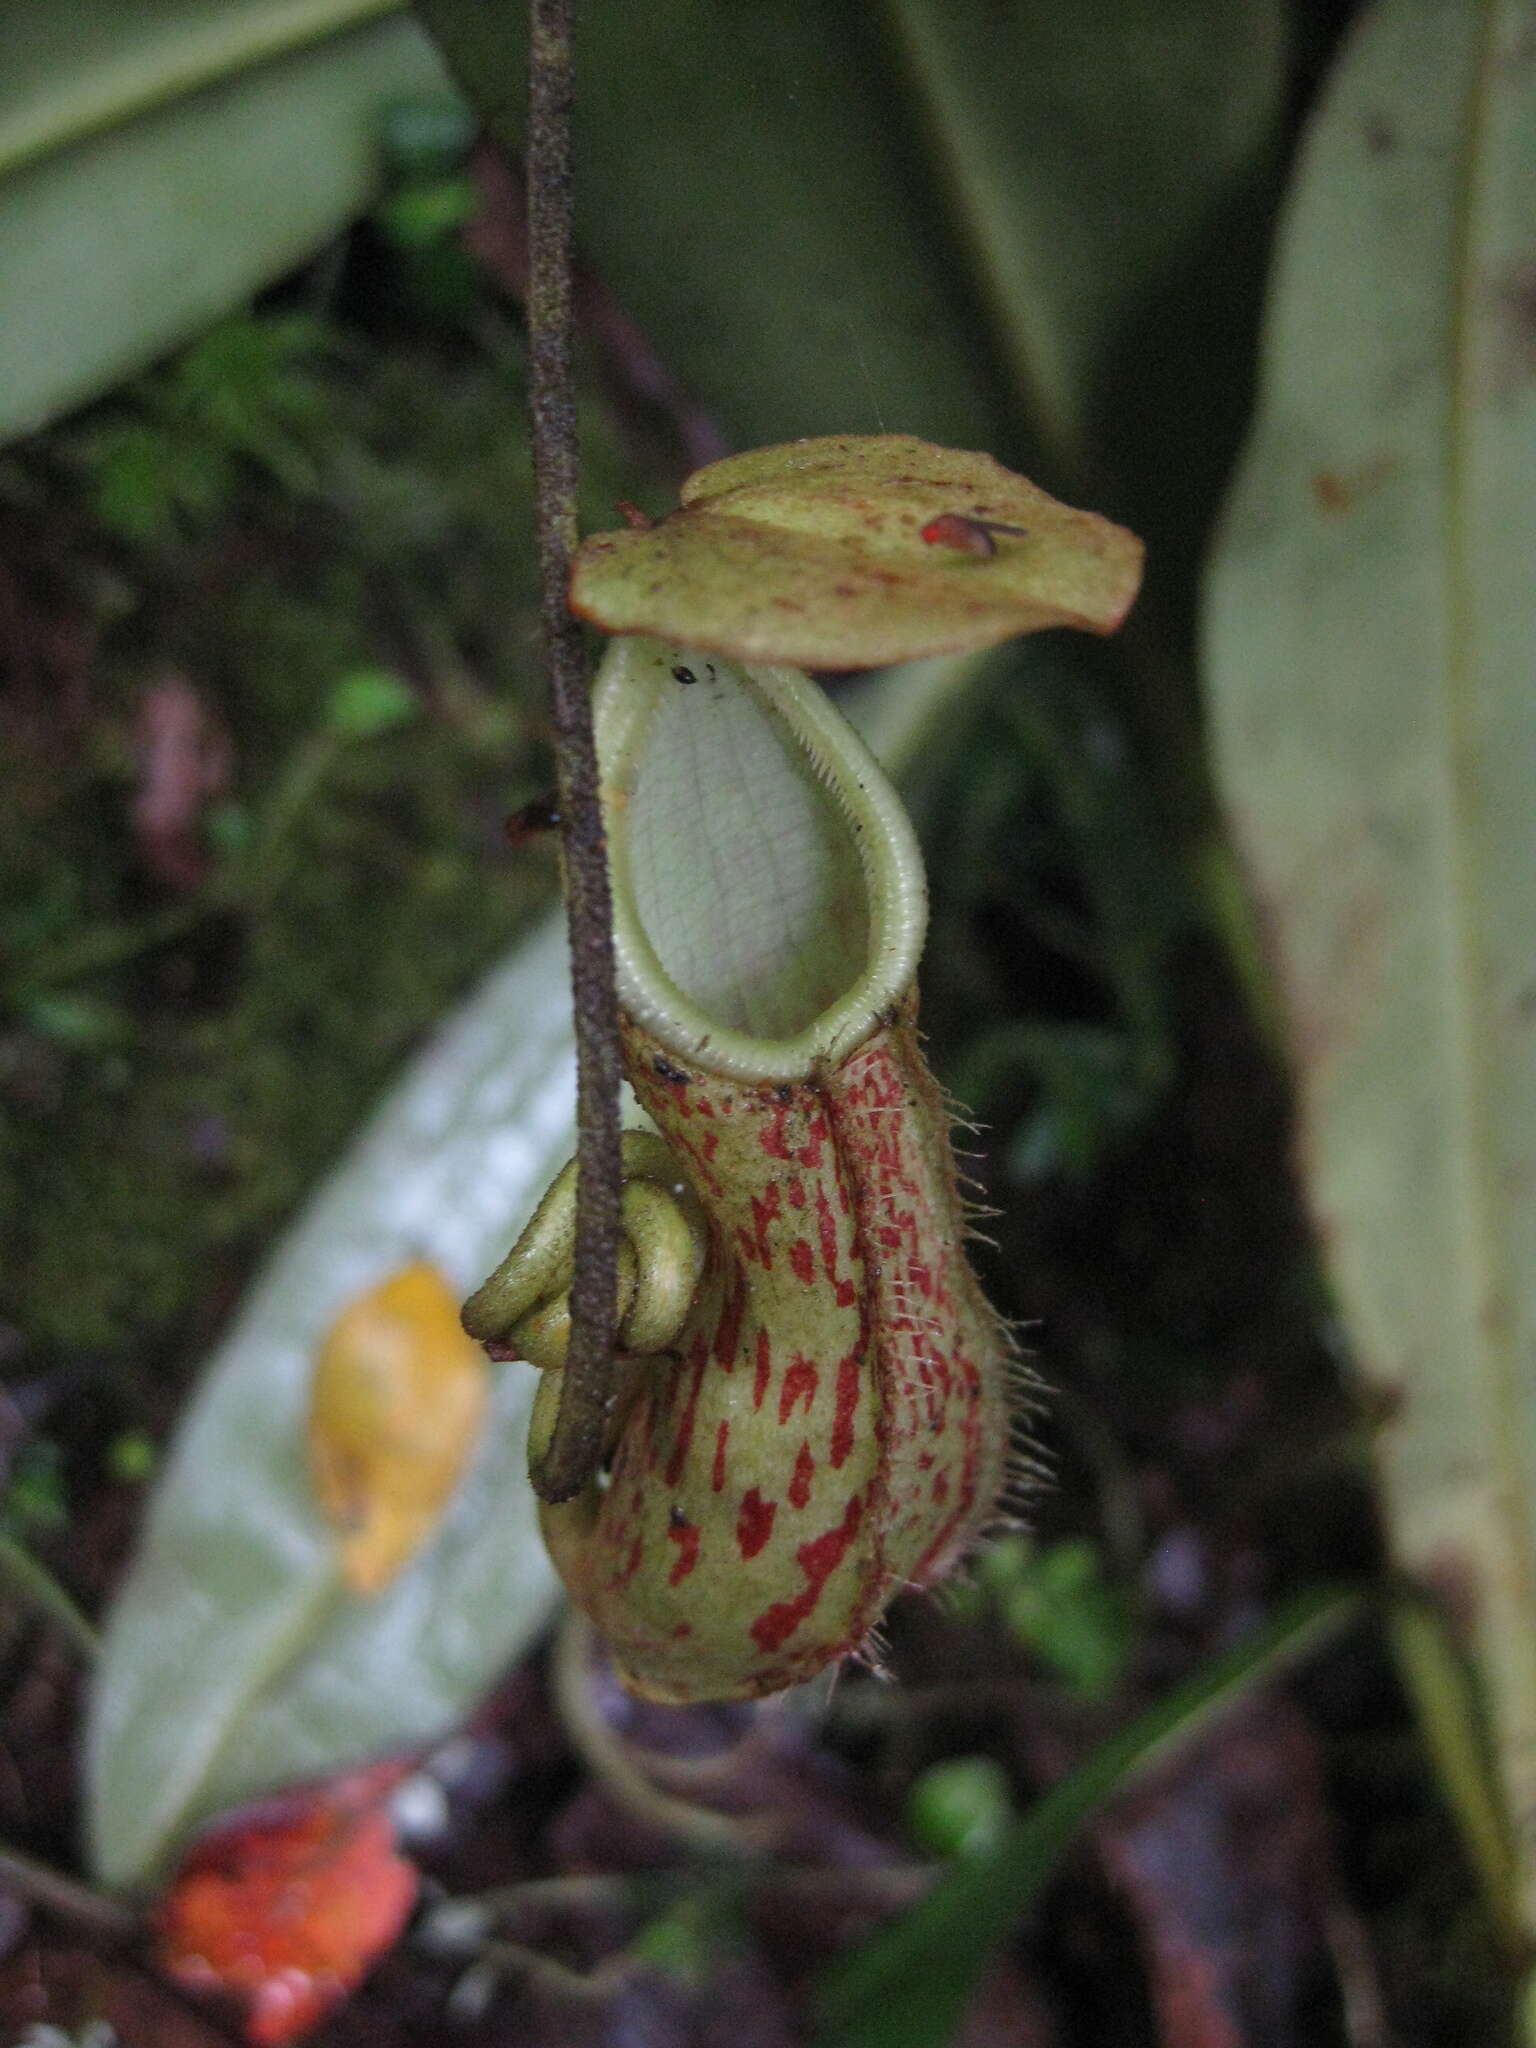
(131, 1457)
(1455, 1730)
(1094, 1083)
(1062, 1606)
(959, 1807)
(145, 478)
(909, 1985)
(160, 162)
(34, 1502)
(370, 701)
(1372, 610)
(1006, 227)
(750, 193)
(903, 713)
(234, 1663)
(427, 211)
(75, 1020)
(848, 551)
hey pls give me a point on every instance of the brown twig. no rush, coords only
(576, 1444)
(21, 1572)
(619, 1768)
(53, 1892)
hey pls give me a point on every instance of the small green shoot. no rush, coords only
(33, 1502)
(132, 1457)
(426, 211)
(369, 701)
(959, 1807)
(1055, 1600)
(682, 1942)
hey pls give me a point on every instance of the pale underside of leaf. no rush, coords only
(1371, 622)
(812, 554)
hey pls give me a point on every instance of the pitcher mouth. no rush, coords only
(769, 902)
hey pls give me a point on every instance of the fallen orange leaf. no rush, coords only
(289, 1909)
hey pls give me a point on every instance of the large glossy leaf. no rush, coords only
(1106, 167)
(747, 187)
(845, 551)
(1372, 616)
(941, 217)
(234, 1660)
(1026, 228)
(160, 162)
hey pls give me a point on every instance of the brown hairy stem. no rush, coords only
(576, 1446)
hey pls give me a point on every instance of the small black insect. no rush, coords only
(668, 1072)
(683, 675)
(534, 819)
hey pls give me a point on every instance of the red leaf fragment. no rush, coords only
(184, 761)
(290, 1907)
